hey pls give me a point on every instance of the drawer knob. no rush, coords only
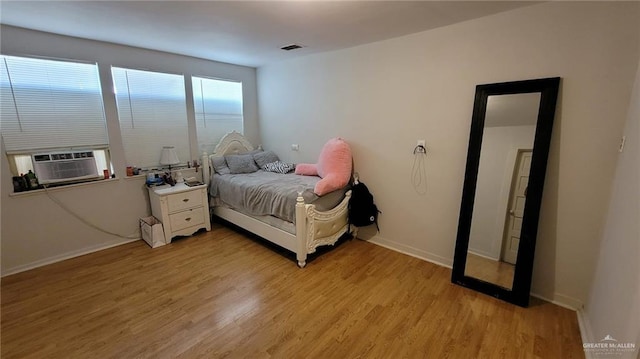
(187, 219)
(185, 200)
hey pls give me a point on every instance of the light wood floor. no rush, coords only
(497, 272)
(221, 294)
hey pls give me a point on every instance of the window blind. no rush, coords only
(152, 113)
(218, 110)
(47, 104)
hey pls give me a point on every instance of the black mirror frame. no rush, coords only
(519, 293)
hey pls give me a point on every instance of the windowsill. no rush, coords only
(91, 183)
(62, 188)
(174, 173)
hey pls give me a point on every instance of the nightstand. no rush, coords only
(182, 209)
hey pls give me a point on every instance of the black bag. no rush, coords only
(362, 210)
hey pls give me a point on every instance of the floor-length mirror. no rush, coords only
(506, 163)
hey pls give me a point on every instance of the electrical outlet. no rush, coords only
(295, 147)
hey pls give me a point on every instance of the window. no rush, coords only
(218, 110)
(152, 112)
(50, 105)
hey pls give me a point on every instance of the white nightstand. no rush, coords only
(182, 209)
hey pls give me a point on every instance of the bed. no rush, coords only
(289, 215)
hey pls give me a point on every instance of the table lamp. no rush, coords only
(169, 156)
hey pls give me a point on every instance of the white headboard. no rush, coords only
(230, 144)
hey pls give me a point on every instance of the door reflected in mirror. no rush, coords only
(503, 177)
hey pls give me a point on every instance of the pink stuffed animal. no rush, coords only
(334, 166)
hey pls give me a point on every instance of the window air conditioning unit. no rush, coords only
(65, 166)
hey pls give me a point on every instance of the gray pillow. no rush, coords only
(262, 158)
(241, 163)
(220, 165)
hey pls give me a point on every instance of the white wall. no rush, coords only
(35, 230)
(613, 305)
(495, 174)
(384, 96)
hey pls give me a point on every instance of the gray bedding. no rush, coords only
(264, 193)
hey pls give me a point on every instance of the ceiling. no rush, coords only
(247, 33)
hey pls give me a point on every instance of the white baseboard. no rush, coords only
(59, 258)
(483, 255)
(411, 251)
(585, 331)
(568, 302)
(561, 300)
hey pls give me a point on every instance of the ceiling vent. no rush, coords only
(291, 47)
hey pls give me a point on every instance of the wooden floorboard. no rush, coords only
(222, 294)
(489, 270)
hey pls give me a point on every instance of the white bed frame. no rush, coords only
(313, 228)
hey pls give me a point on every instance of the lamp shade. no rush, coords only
(169, 156)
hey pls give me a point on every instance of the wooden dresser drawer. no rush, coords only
(184, 200)
(188, 218)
